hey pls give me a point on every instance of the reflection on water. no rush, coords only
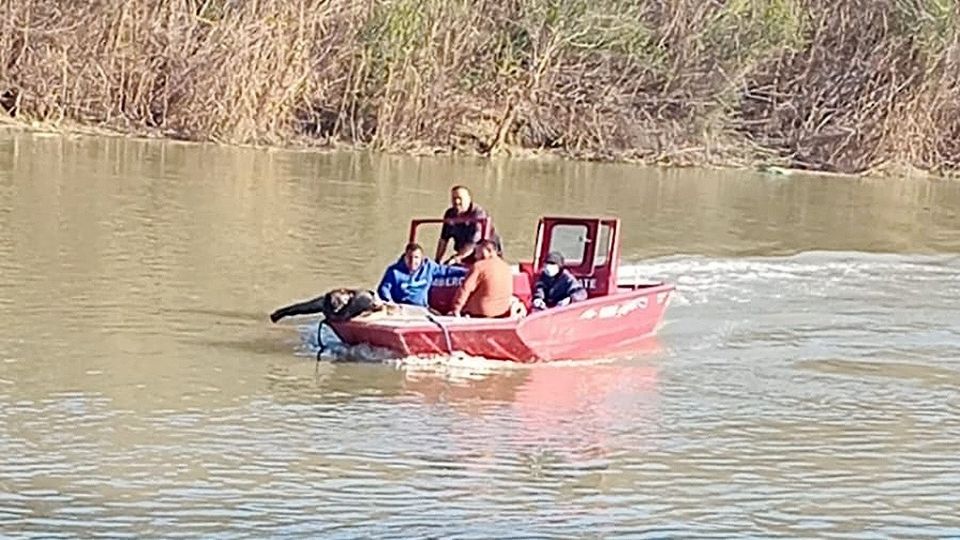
(806, 382)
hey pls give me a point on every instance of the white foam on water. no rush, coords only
(735, 298)
(699, 279)
(335, 350)
(458, 366)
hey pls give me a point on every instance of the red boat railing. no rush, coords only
(485, 225)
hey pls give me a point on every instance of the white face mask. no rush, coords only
(551, 270)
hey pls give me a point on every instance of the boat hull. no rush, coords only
(598, 327)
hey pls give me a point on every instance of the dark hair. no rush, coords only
(484, 244)
(411, 247)
(459, 187)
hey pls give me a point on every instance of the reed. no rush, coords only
(849, 86)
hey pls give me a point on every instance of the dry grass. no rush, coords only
(844, 86)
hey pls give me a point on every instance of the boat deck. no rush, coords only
(404, 316)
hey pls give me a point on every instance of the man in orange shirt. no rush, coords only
(487, 290)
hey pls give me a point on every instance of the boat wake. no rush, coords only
(816, 303)
(456, 367)
(722, 302)
(334, 350)
(702, 279)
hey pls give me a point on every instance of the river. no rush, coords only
(806, 382)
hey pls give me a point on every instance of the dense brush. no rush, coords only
(851, 85)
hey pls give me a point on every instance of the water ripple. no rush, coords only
(143, 393)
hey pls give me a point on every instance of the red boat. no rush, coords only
(615, 318)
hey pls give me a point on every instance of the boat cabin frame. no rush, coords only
(590, 247)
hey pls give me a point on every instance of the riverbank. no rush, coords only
(778, 84)
(72, 129)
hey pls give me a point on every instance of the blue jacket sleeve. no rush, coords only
(574, 289)
(386, 285)
(539, 290)
(578, 294)
(445, 270)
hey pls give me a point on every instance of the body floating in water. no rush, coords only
(335, 305)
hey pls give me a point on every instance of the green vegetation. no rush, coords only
(847, 86)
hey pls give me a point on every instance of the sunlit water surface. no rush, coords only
(806, 382)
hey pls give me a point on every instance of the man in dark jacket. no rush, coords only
(556, 286)
(335, 305)
(460, 224)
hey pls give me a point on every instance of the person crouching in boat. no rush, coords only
(487, 290)
(556, 286)
(408, 280)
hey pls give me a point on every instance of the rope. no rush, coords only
(446, 332)
(322, 346)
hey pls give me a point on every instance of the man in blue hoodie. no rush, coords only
(408, 280)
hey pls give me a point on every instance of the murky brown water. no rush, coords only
(806, 383)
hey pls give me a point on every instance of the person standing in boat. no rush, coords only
(487, 290)
(556, 286)
(460, 224)
(408, 280)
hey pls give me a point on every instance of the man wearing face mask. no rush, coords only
(556, 286)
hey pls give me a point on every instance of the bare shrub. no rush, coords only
(844, 86)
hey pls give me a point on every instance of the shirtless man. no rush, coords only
(487, 290)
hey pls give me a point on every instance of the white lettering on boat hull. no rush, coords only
(447, 281)
(616, 310)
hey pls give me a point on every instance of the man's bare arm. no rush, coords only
(441, 249)
(464, 252)
(466, 289)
